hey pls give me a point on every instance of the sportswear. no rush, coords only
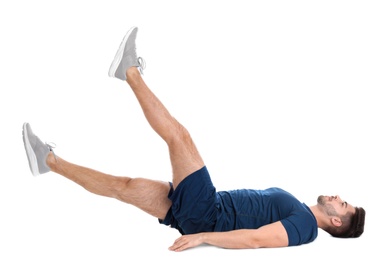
(126, 56)
(198, 207)
(36, 151)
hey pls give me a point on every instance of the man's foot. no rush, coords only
(36, 151)
(126, 56)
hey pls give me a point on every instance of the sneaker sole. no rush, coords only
(118, 57)
(33, 163)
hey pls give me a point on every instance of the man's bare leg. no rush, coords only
(184, 156)
(148, 195)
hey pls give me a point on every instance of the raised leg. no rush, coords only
(184, 156)
(150, 196)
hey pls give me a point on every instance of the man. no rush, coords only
(243, 218)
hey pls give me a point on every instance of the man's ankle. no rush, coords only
(51, 159)
(132, 73)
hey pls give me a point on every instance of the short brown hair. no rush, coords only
(353, 225)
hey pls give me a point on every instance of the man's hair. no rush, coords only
(352, 225)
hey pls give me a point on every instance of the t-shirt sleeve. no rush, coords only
(301, 228)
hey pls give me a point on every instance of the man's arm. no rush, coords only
(272, 235)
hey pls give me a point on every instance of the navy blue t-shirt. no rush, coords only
(251, 209)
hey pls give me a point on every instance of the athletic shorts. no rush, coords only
(194, 204)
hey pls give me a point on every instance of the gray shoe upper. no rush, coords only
(36, 151)
(129, 57)
(126, 56)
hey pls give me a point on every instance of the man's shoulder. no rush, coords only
(280, 193)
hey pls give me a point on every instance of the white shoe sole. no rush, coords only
(116, 61)
(30, 152)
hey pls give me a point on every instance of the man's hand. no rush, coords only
(186, 241)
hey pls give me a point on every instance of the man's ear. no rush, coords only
(336, 221)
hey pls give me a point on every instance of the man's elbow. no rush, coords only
(254, 243)
(251, 244)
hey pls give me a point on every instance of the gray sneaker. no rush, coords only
(36, 151)
(126, 57)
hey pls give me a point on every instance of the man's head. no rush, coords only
(345, 220)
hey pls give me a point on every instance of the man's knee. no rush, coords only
(180, 135)
(119, 187)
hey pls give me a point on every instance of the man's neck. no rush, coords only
(318, 214)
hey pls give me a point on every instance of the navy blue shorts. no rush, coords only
(194, 204)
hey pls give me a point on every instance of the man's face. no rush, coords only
(334, 205)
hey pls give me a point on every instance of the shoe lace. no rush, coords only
(142, 64)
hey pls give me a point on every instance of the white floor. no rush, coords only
(275, 93)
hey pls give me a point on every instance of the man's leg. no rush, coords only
(148, 195)
(184, 156)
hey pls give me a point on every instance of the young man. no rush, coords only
(243, 218)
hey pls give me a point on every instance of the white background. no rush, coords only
(274, 93)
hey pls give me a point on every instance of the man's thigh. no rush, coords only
(184, 156)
